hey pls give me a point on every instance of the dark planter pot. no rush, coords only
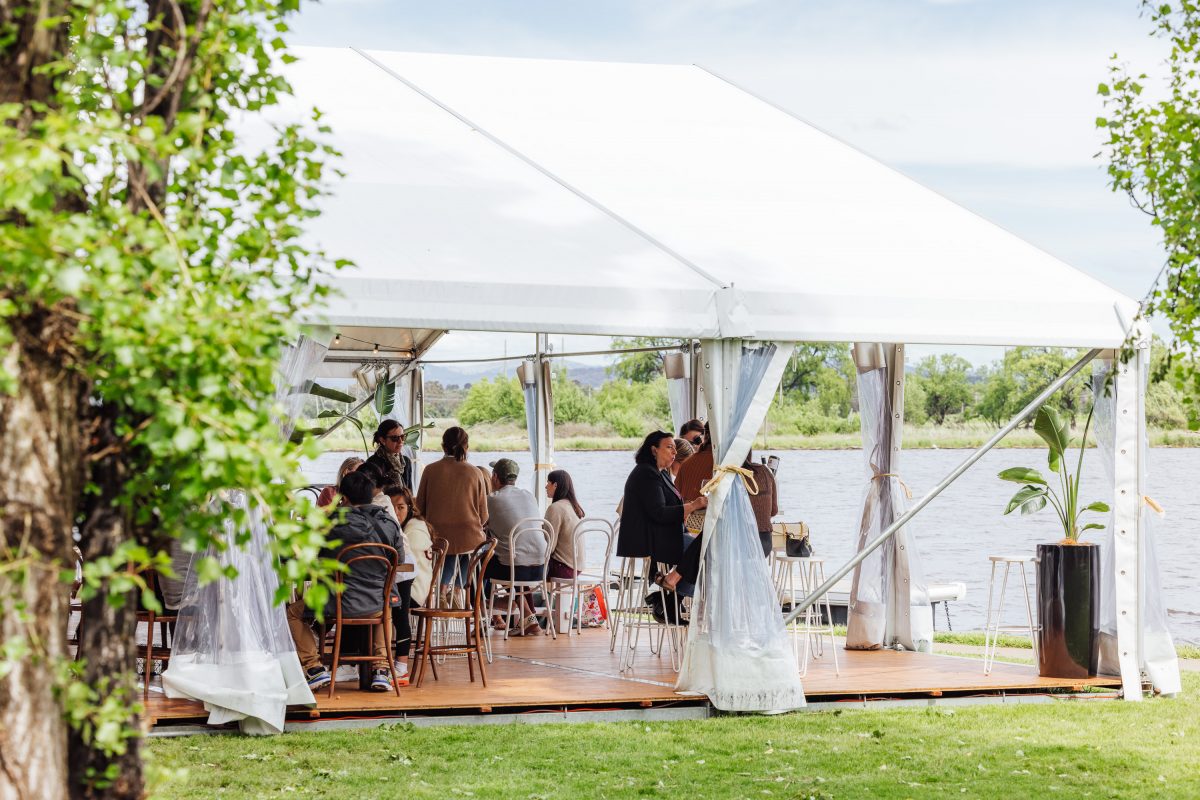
(1068, 584)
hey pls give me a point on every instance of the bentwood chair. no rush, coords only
(75, 607)
(470, 615)
(512, 589)
(359, 556)
(584, 581)
(166, 623)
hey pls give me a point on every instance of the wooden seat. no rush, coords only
(362, 554)
(471, 616)
(166, 623)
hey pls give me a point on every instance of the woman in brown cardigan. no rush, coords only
(453, 501)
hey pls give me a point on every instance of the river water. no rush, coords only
(955, 534)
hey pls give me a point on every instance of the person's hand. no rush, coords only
(701, 502)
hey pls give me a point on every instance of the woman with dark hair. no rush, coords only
(388, 458)
(453, 500)
(411, 587)
(652, 510)
(695, 431)
(563, 514)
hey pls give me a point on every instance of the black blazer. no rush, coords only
(651, 517)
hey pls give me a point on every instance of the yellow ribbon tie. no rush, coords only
(1154, 505)
(721, 472)
(543, 466)
(899, 480)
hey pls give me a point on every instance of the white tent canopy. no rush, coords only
(575, 197)
(562, 197)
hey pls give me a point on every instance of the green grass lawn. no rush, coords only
(1069, 748)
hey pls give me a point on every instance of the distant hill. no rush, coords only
(459, 375)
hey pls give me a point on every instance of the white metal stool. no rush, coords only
(993, 627)
(817, 621)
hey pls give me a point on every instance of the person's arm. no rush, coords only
(774, 493)
(481, 502)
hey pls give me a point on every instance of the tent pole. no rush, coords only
(871, 546)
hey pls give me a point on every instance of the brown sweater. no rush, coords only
(766, 502)
(453, 501)
(693, 474)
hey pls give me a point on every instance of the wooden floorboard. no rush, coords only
(580, 672)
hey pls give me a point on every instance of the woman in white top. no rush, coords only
(563, 514)
(413, 587)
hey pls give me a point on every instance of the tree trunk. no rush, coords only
(108, 640)
(40, 457)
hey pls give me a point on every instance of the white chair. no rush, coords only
(993, 627)
(583, 581)
(513, 588)
(637, 616)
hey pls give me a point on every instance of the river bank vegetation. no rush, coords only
(948, 403)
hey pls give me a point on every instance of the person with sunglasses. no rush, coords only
(395, 467)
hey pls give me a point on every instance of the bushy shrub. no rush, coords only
(493, 400)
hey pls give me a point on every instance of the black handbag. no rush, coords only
(797, 542)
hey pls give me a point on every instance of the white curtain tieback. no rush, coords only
(746, 475)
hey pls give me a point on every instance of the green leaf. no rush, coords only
(329, 394)
(1092, 526)
(1055, 432)
(1099, 505)
(1022, 475)
(1024, 495)
(1034, 504)
(385, 397)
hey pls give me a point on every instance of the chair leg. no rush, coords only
(337, 654)
(388, 645)
(425, 657)
(478, 654)
(148, 668)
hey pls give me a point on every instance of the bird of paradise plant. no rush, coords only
(1037, 492)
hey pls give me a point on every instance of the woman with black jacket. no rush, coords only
(652, 510)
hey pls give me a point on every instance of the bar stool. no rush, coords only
(817, 621)
(993, 626)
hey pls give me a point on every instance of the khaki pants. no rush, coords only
(308, 648)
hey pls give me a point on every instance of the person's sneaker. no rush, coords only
(318, 678)
(381, 681)
(347, 672)
(401, 669)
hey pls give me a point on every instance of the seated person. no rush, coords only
(327, 494)
(507, 505)
(563, 514)
(364, 585)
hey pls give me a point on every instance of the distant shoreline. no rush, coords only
(1167, 439)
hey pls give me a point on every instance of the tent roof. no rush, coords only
(601, 198)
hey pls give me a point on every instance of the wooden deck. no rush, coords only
(579, 672)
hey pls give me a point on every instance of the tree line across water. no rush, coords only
(818, 393)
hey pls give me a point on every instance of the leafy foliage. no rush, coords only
(164, 254)
(1036, 492)
(1151, 158)
(641, 367)
(943, 379)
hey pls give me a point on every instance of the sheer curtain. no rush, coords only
(679, 388)
(889, 598)
(232, 649)
(737, 652)
(1160, 660)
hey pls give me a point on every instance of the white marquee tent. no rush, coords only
(565, 197)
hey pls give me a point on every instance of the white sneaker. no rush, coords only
(347, 672)
(401, 669)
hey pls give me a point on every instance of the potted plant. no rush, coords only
(1068, 572)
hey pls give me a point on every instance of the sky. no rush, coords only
(990, 102)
